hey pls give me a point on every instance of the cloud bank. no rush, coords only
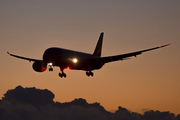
(36, 104)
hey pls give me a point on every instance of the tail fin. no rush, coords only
(97, 51)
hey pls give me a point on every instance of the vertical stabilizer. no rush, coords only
(97, 51)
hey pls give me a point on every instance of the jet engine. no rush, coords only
(39, 66)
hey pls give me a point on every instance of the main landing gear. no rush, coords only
(62, 75)
(89, 73)
(50, 65)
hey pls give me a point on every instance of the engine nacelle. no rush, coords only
(39, 66)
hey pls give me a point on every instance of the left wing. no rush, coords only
(23, 57)
(125, 56)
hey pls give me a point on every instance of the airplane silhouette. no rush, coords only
(74, 60)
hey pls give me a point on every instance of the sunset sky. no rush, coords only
(150, 81)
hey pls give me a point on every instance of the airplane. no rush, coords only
(74, 60)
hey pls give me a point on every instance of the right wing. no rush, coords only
(29, 59)
(125, 56)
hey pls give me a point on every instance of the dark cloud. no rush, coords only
(157, 115)
(124, 114)
(178, 117)
(35, 104)
(33, 96)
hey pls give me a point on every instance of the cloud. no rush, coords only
(33, 96)
(36, 104)
(157, 115)
(124, 114)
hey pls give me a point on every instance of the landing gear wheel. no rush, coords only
(89, 73)
(62, 75)
(50, 69)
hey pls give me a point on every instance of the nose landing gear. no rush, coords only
(50, 69)
(50, 65)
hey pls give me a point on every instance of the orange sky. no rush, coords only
(150, 81)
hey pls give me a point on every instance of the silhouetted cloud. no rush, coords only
(157, 115)
(124, 114)
(33, 96)
(35, 104)
(178, 117)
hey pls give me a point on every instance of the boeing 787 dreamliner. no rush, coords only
(74, 60)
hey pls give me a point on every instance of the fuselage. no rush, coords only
(64, 58)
